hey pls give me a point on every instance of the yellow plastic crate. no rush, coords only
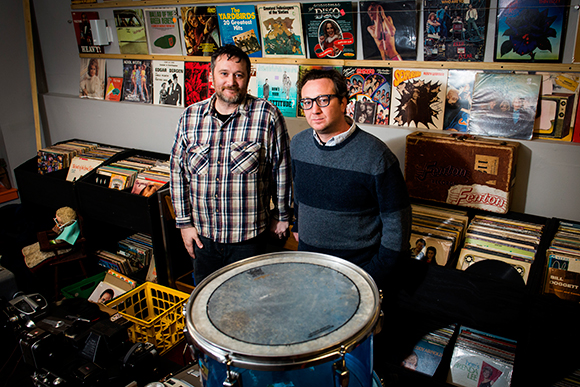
(157, 314)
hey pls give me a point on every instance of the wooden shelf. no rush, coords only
(148, 3)
(553, 67)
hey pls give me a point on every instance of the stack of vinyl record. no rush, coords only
(563, 262)
(481, 359)
(436, 233)
(428, 352)
(506, 240)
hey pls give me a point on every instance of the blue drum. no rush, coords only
(285, 319)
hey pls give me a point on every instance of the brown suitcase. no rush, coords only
(461, 170)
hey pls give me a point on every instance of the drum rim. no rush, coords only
(277, 363)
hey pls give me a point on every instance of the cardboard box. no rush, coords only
(461, 170)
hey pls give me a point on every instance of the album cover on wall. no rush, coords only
(137, 80)
(198, 82)
(369, 94)
(238, 25)
(454, 31)
(418, 98)
(281, 29)
(200, 30)
(162, 29)
(504, 105)
(329, 29)
(168, 78)
(277, 84)
(458, 100)
(389, 29)
(530, 30)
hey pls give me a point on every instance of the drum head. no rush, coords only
(282, 309)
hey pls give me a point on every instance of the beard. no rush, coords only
(236, 98)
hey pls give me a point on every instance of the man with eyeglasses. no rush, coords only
(229, 162)
(350, 198)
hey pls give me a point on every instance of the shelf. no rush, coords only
(553, 67)
(147, 3)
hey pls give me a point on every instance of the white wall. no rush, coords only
(548, 180)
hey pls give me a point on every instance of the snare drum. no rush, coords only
(285, 319)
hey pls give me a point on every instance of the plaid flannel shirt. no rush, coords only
(225, 175)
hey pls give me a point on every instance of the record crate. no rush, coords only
(157, 314)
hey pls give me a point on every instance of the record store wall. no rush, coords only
(548, 177)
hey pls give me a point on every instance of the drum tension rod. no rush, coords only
(232, 377)
(341, 373)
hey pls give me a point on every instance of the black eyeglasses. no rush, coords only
(322, 101)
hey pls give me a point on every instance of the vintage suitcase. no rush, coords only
(461, 170)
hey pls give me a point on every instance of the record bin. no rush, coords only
(122, 208)
(49, 190)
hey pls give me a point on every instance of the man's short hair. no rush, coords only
(231, 51)
(336, 77)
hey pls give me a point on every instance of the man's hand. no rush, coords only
(278, 229)
(190, 236)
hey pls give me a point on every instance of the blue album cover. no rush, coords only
(530, 30)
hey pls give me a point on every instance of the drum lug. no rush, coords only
(341, 373)
(379, 324)
(232, 378)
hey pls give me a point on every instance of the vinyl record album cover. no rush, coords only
(198, 82)
(281, 29)
(458, 100)
(168, 78)
(200, 30)
(530, 30)
(137, 80)
(238, 25)
(504, 105)
(369, 94)
(162, 28)
(92, 78)
(389, 29)
(330, 30)
(277, 84)
(418, 98)
(131, 32)
(454, 31)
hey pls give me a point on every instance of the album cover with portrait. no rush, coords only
(329, 30)
(369, 94)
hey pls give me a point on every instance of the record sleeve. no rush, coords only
(198, 82)
(92, 78)
(131, 32)
(430, 249)
(369, 94)
(238, 25)
(200, 30)
(137, 80)
(330, 30)
(458, 100)
(469, 257)
(455, 31)
(418, 98)
(530, 30)
(277, 84)
(504, 105)
(281, 27)
(83, 32)
(168, 76)
(162, 29)
(389, 30)
(114, 87)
